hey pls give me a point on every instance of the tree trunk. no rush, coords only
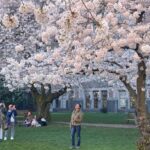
(43, 109)
(43, 100)
(141, 110)
(42, 105)
(142, 117)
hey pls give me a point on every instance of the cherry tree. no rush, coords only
(57, 38)
(29, 60)
(112, 37)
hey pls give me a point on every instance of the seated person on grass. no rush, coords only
(28, 119)
(35, 123)
(42, 121)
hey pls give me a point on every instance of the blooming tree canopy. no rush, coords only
(45, 38)
(52, 41)
(109, 36)
(45, 41)
(30, 50)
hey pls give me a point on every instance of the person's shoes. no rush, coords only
(5, 138)
(11, 138)
(77, 147)
(71, 147)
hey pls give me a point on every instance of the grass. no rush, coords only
(57, 137)
(95, 117)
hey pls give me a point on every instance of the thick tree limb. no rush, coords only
(42, 89)
(136, 50)
(59, 93)
(123, 79)
(132, 92)
(141, 17)
(34, 91)
(50, 88)
(53, 96)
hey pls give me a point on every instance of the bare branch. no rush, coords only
(132, 92)
(97, 23)
(34, 91)
(115, 63)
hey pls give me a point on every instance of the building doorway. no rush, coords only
(88, 102)
(57, 102)
(122, 100)
(95, 97)
(104, 99)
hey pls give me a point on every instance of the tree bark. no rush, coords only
(43, 100)
(132, 92)
(143, 119)
(140, 105)
(43, 108)
(139, 96)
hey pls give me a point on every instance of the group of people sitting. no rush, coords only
(33, 121)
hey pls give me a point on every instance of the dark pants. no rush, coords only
(74, 130)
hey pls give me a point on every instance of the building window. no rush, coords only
(148, 93)
(111, 94)
(122, 103)
(87, 102)
(57, 103)
(95, 95)
(71, 94)
(148, 82)
(76, 93)
(122, 99)
(104, 96)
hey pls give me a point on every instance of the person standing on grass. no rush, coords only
(2, 116)
(10, 122)
(1, 122)
(75, 125)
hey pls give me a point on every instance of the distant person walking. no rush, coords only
(10, 122)
(75, 124)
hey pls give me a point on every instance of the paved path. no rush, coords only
(123, 126)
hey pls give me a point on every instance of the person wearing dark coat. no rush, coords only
(10, 122)
(2, 117)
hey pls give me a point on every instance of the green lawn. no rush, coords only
(95, 117)
(57, 137)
